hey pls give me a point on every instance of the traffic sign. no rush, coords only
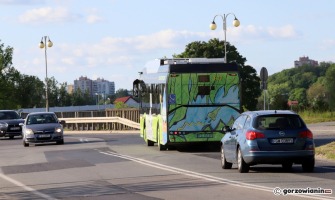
(264, 74)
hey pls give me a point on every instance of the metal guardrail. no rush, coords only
(100, 123)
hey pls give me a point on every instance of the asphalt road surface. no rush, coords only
(121, 166)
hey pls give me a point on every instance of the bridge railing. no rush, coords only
(100, 123)
(108, 119)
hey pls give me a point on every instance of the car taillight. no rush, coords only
(252, 135)
(306, 134)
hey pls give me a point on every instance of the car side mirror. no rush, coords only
(226, 129)
(62, 122)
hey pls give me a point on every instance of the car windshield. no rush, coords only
(9, 115)
(41, 119)
(268, 122)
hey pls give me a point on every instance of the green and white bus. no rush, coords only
(187, 101)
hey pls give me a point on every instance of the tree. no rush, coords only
(64, 98)
(119, 93)
(29, 91)
(330, 85)
(278, 95)
(214, 48)
(316, 95)
(6, 69)
(299, 94)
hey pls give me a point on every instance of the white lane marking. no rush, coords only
(84, 140)
(206, 177)
(27, 188)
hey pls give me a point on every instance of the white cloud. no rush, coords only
(47, 15)
(287, 31)
(91, 19)
(21, 2)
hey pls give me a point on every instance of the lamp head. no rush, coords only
(41, 44)
(212, 26)
(236, 22)
(50, 43)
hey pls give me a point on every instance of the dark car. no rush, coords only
(268, 137)
(9, 124)
(41, 127)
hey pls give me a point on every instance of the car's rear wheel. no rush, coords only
(25, 144)
(224, 163)
(242, 166)
(287, 166)
(308, 165)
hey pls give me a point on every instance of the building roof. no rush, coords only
(122, 99)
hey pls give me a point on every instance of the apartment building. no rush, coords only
(305, 61)
(95, 87)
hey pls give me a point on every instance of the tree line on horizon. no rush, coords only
(310, 86)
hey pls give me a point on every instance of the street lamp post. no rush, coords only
(212, 26)
(43, 45)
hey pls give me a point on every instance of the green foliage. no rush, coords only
(330, 85)
(120, 104)
(305, 84)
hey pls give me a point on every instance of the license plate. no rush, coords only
(44, 136)
(282, 141)
(205, 135)
(15, 128)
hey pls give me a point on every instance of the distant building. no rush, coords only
(305, 61)
(103, 87)
(70, 89)
(129, 101)
(95, 87)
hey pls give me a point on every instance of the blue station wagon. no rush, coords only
(268, 137)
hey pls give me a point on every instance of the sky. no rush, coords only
(114, 39)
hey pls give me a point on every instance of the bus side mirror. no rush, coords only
(136, 88)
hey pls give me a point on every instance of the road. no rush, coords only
(120, 166)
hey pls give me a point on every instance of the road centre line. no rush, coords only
(206, 177)
(25, 187)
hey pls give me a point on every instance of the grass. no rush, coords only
(311, 117)
(326, 151)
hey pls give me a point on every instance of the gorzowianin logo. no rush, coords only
(285, 191)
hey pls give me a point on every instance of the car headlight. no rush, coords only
(58, 130)
(29, 133)
(3, 125)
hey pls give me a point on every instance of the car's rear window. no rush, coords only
(278, 122)
(9, 115)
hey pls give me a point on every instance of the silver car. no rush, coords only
(41, 127)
